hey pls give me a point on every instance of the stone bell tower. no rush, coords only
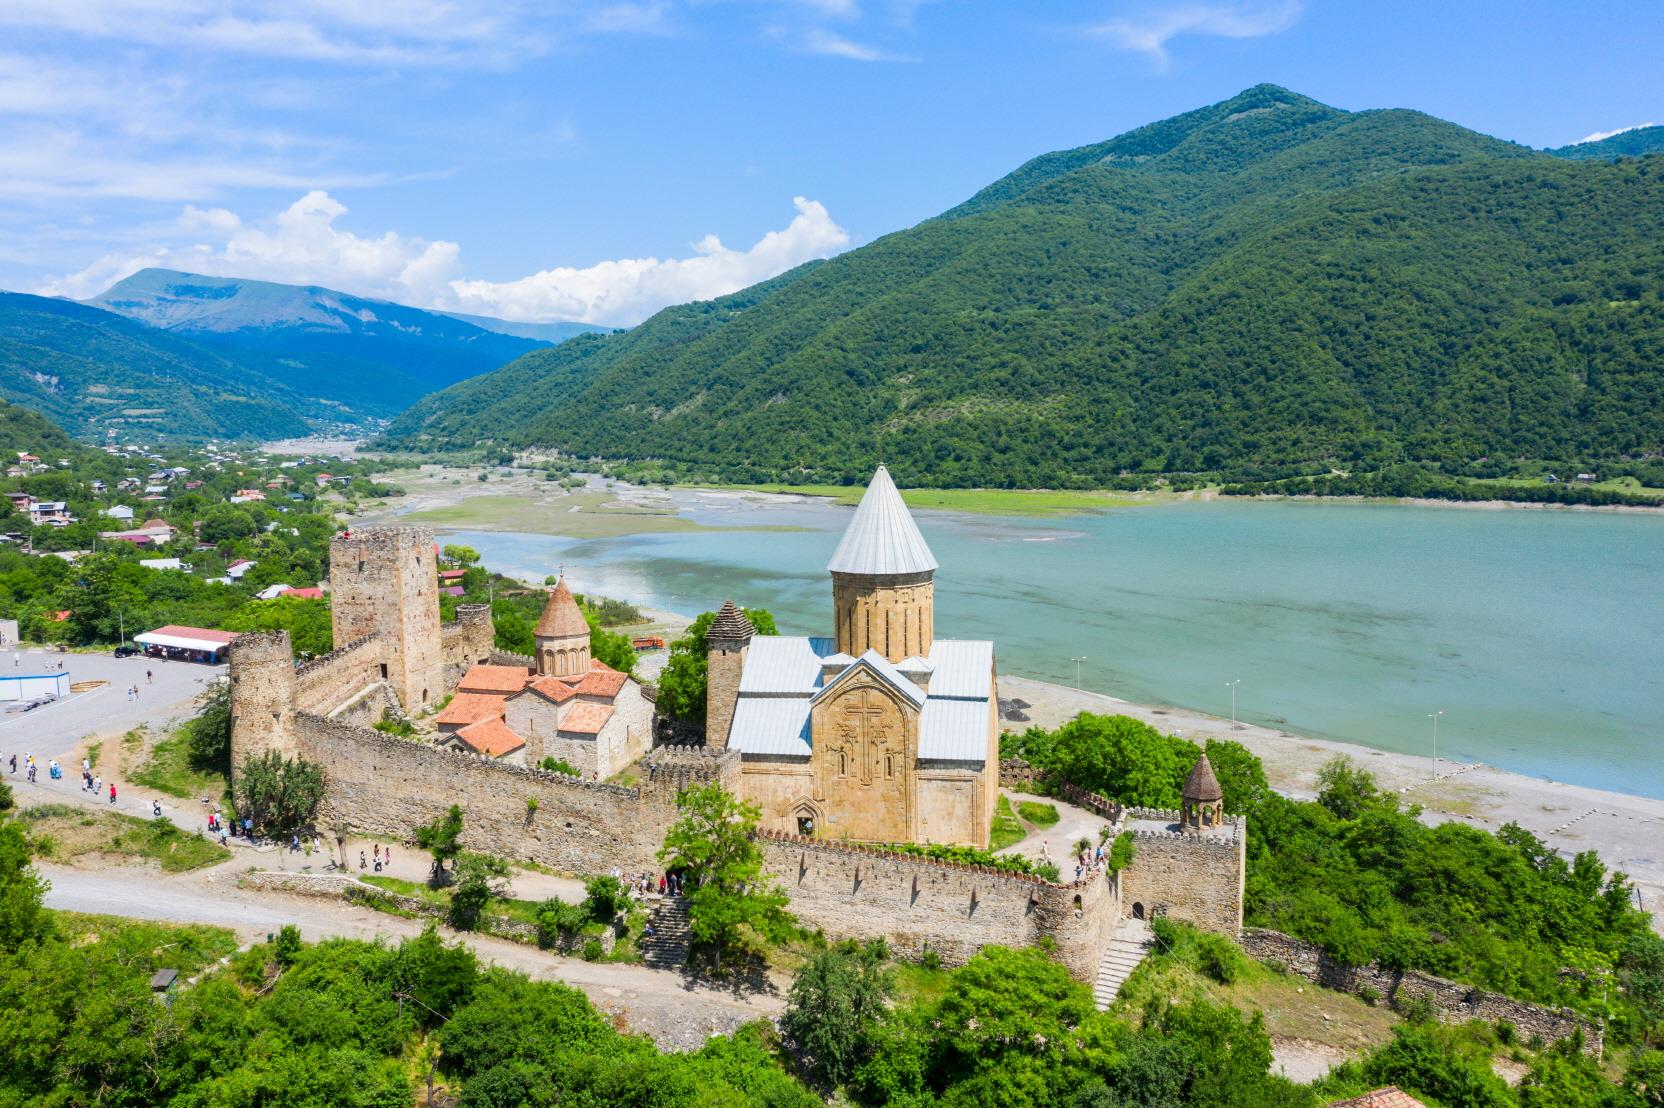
(726, 643)
(562, 636)
(883, 579)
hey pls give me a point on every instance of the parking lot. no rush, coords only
(53, 730)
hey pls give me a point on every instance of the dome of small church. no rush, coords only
(561, 619)
(1202, 786)
(730, 625)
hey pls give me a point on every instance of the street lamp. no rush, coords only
(1077, 662)
(1434, 716)
(1235, 726)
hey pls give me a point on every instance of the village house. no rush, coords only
(52, 512)
(244, 496)
(118, 511)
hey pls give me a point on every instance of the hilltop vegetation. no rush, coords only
(1261, 288)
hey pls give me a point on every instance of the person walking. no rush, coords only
(97, 785)
(14, 763)
(149, 678)
(360, 859)
(112, 792)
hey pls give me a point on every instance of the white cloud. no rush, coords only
(1598, 135)
(1149, 31)
(818, 40)
(302, 245)
(631, 289)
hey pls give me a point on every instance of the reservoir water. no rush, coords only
(1538, 634)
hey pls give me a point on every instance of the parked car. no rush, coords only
(126, 650)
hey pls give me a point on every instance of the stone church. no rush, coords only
(882, 732)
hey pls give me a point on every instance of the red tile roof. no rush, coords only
(600, 683)
(586, 719)
(471, 707)
(448, 574)
(494, 679)
(491, 736)
(552, 688)
(313, 593)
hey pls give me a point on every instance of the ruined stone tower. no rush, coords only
(562, 636)
(725, 646)
(883, 579)
(385, 581)
(262, 696)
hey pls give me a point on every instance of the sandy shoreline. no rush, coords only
(1626, 831)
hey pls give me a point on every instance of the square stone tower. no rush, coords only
(385, 581)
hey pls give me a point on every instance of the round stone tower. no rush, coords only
(262, 673)
(883, 579)
(562, 636)
(1202, 801)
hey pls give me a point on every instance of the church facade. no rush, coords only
(881, 732)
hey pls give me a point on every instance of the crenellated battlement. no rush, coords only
(878, 852)
(324, 661)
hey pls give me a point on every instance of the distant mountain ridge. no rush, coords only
(373, 356)
(1637, 142)
(1260, 285)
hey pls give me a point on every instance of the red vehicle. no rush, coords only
(651, 642)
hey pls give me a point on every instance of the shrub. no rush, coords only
(592, 951)
(1218, 958)
(605, 897)
(556, 765)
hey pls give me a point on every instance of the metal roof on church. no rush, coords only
(882, 539)
(886, 670)
(777, 665)
(964, 669)
(776, 725)
(955, 730)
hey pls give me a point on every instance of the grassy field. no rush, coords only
(184, 947)
(1006, 830)
(1293, 1008)
(1005, 502)
(1038, 812)
(167, 768)
(584, 515)
(66, 833)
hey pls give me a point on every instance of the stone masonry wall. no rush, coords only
(327, 682)
(380, 784)
(1452, 1001)
(853, 892)
(1194, 878)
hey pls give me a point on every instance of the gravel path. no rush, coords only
(678, 1012)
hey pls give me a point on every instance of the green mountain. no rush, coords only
(94, 372)
(1636, 143)
(373, 357)
(1259, 286)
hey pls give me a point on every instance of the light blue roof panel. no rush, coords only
(964, 668)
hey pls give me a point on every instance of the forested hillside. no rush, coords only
(1635, 143)
(1261, 287)
(92, 371)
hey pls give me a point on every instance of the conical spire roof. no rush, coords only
(882, 539)
(730, 625)
(1202, 785)
(561, 619)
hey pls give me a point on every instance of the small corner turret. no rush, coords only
(726, 642)
(1202, 801)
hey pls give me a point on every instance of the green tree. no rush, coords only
(834, 1002)
(1345, 789)
(682, 684)
(279, 794)
(442, 838)
(307, 621)
(21, 890)
(1121, 757)
(479, 878)
(513, 631)
(461, 555)
(208, 735)
(226, 523)
(713, 844)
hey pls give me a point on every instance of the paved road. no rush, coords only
(679, 1013)
(56, 729)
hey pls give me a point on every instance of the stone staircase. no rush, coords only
(1130, 944)
(668, 946)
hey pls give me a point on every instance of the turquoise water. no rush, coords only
(1539, 634)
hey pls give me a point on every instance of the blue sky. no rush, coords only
(555, 159)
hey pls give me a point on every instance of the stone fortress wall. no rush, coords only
(381, 784)
(916, 903)
(1186, 876)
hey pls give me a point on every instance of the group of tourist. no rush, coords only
(381, 858)
(643, 884)
(1087, 859)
